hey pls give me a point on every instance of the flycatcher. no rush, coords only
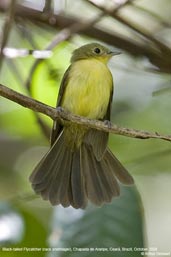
(79, 166)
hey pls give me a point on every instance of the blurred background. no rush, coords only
(141, 217)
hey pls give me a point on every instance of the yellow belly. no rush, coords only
(88, 90)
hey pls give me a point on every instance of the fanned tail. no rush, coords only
(72, 178)
(117, 168)
(101, 184)
(59, 178)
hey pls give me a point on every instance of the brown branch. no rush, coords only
(140, 30)
(153, 14)
(47, 6)
(62, 21)
(6, 28)
(61, 114)
(158, 53)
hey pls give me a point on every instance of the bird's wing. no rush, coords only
(57, 127)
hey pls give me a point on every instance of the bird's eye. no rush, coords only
(97, 50)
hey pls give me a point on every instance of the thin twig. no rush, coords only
(142, 31)
(61, 114)
(154, 15)
(6, 28)
(62, 21)
(117, 6)
(47, 6)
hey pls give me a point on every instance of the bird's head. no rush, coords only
(93, 51)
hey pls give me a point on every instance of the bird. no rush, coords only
(79, 167)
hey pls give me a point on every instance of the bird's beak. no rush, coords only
(112, 53)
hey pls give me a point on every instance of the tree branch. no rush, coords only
(61, 114)
(6, 28)
(140, 30)
(62, 21)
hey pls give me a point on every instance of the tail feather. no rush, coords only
(110, 180)
(101, 185)
(117, 169)
(59, 172)
(44, 167)
(58, 177)
(65, 192)
(46, 177)
(78, 182)
(58, 188)
(93, 186)
(70, 177)
(39, 185)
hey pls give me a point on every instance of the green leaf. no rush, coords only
(115, 225)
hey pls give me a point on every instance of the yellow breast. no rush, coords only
(89, 88)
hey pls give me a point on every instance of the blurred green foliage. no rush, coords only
(116, 225)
